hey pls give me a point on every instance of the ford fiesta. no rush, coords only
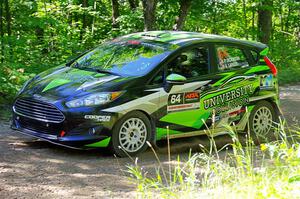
(128, 91)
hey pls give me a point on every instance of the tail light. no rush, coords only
(271, 65)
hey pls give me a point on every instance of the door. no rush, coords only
(182, 111)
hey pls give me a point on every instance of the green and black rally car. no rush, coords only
(128, 91)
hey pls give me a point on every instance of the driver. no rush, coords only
(190, 63)
(186, 63)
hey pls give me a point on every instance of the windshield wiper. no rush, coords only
(107, 72)
(98, 70)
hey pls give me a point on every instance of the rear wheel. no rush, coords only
(262, 121)
(130, 134)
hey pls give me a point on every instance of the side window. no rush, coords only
(158, 79)
(255, 55)
(230, 57)
(191, 63)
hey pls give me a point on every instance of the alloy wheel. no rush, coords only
(133, 134)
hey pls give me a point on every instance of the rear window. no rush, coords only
(230, 57)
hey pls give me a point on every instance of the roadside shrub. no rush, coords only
(11, 81)
(270, 170)
(286, 55)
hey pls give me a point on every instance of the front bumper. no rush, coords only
(50, 120)
(84, 140)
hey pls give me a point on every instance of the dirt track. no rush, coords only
(36, 169)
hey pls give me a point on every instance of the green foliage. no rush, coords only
(268, 171)
(11, 81)
(286, 55)
(43, 34)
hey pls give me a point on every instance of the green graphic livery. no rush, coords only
(151, 86)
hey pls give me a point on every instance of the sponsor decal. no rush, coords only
(55, 83)
(224, 112)
(266, 82)
(183, 101)
(231, 59)
(230, 99)
(237, 112)
(99, 118)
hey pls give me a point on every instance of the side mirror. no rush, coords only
(174, 79)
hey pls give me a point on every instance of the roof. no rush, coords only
(183, 38)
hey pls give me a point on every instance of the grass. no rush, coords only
(267, 170)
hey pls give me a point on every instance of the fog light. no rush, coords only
(95, 130)
(92, 131)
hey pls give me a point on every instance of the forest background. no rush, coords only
(36, 35)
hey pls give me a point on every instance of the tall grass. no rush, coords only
(267, 170)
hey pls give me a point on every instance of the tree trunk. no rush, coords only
(39, 32)
(281, 17)
(298, 31)
(287, 19)
(8, 18)
(1, 31)
(8, 28)
(214, 16)
(253, 24)
(245, 19)
(115, 13)
(84, 19)
(94, 17)
(265, 21)
(183, 12)
(133, 4)
(149, 7)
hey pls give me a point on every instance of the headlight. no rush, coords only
(94, 99)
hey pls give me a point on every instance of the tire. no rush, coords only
(130, 134)
(262, 122)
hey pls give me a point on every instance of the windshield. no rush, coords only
(125, 58)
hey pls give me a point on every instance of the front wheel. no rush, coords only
(130, 134)
(262, 121)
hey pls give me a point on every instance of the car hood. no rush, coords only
(63, 82)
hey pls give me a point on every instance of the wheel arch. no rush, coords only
(274, 104)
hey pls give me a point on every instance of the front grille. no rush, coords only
(38, 126)
(38, 110)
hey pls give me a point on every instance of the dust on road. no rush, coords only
(36, 169)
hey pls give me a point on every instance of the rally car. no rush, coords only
(149, 86)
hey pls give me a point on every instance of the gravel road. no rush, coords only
(36, 169)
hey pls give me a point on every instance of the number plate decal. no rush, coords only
(183, 101)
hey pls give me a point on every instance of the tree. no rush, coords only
(8, 18)
(1, 31)
(265, 21)
(8, 27)
(183, 12)
(245, 18)
(84, 19)
(133, 4)
(149, 7)
(115, 13)
(298, 28)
